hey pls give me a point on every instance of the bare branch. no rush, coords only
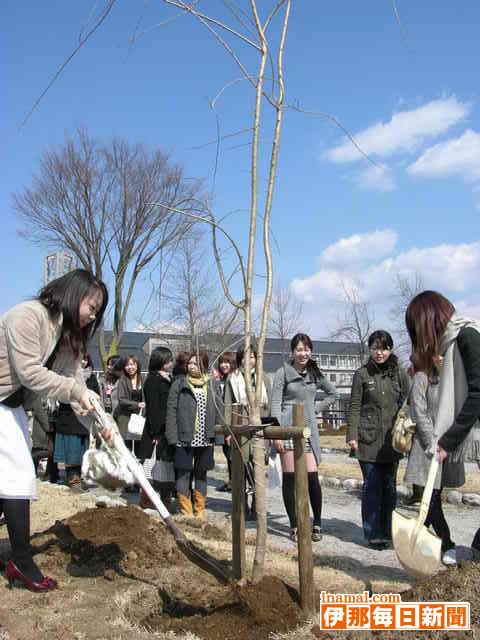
(82, 41)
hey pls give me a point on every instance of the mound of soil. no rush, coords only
(125, 543)
(246, 613)
(98, 541)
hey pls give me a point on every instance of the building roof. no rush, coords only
(276, 350)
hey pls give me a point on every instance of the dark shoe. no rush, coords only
(316, 533)
(412, 501)
(225, 488)
(251, 515)
(293, 534)
(14, 575)
(377, 544)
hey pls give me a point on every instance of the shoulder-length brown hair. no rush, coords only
(138, 375)
(426, 318)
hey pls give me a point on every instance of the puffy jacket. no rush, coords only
(377, 394)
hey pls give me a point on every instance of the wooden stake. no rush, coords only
(304, 530)
(238, 501)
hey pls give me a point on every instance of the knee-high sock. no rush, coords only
(315, 494)
(288, 493)
(17, 517)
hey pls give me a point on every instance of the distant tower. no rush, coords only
(58, 264)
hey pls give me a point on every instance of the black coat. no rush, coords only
(128, 399)
(155, 392)
(66, 421)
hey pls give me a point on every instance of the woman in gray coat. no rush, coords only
(299, 381)
(424, 406)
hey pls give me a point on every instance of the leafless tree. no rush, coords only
(195, 303)
(286, 316)
(406, 287)
(92, 199)
(355, 322)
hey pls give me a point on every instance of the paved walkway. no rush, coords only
(343, 545)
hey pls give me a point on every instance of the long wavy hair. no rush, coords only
(426, 318)
(64, 296)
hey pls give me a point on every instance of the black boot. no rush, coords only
(17, 516)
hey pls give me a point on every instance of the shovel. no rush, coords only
(418, 550)
(199, 557)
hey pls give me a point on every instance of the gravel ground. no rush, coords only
(343, 545)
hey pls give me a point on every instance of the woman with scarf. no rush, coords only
(298, 381)
(437, 331)
(71, 438)
(108, 387)
(378, 390)
(236, 392)
(190, 428)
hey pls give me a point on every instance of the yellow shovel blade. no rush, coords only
(418, 551)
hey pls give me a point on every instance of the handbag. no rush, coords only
(163, 471)
(136, 424)
(149, 463)
(404, 429)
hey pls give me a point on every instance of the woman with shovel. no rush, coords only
(436, 331)
(424, 407)
(42, 342)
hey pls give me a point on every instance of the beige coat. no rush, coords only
(27, 338)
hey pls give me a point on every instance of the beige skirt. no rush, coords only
(17, 473)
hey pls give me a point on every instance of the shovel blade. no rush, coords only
(418, 550)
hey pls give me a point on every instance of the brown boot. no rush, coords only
(200, 504)
(145, 502)
(185, 504)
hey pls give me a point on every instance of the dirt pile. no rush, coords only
(248, 613)
(97, 542)
(128, 547)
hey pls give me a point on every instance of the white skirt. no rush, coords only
(17, 473)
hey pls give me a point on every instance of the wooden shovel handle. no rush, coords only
(427, 492)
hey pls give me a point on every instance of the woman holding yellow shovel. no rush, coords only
(436, 331)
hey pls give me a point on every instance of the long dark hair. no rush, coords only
(426, 318)
(312, 366)
(180, 366)
(64, 296)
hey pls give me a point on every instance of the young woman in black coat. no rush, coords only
(155, 391)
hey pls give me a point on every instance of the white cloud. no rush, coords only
(360, 247)
(451, 269)
(405, 132)
(457, 156)
(376, 178)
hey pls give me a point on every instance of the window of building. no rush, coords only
(333, 377)
(333, 361)
(324, 361)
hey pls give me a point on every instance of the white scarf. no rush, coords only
(453, 391)
(239, 388)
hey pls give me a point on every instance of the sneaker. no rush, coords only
(293, 534)
(225, 488)
(378, 544)
(449, 558)
(316, 533)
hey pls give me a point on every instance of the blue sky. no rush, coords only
(408, 93)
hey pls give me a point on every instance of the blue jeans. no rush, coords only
(379, 498)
